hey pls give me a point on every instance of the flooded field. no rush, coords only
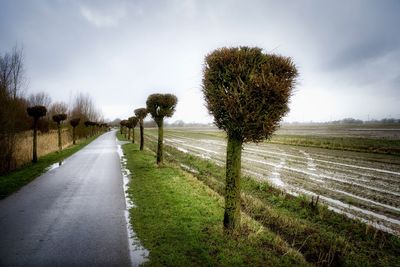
(360, 185)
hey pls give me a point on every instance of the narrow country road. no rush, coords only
(70, 216)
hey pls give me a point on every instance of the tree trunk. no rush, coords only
(59, 137)
(141, 135)
(232, 189)
(160, 142)
(34, 157)
(73, 135)
(129, 133)
(120, 129)
(133, 135)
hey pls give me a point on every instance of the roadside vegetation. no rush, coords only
(322, 236)
(23, 114)
(14, 180)
(178, 219)
(141, 114)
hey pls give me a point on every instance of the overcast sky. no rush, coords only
(347, 52)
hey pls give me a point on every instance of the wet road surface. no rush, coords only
(72, 215)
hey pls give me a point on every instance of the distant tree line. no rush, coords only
(21, 112)
(357, 121)
(351, 121)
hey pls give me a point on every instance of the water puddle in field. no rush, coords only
(327, 162)
(366, 200)
(174, 140)
(275, 177)
(182, 149)
(189, 169)
(54, 166)
(138, 254)
(276, 165)
(310, 161)
(345, 206)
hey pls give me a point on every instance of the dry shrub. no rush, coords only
(47, 143)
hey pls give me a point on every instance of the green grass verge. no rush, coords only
(14, 180)
(322, 236)
(179, 220)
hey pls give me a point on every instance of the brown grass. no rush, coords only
(47, 143)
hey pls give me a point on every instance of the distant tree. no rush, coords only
(39, 99)
(178, 123)
(351, 121)
(160, 106)
(114, 123)
(58, 112)
(58, 118)
(123, 124)
(90, 125)
(247, 91)
(42, 99)
(129, 126)
(36, 112)
(83, 107)
(133, 121)
(141, 113)
(74, 123)
(389, 120)
(149, 124)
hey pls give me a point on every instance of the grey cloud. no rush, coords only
(120, 51)
(363, 53)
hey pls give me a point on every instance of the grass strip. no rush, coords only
(322, 236)
(14, 180)
(179, 220)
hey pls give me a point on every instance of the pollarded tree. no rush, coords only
(247, 91)
(123, 126)
(74, 123)
(141, 113)
(89, 124)
(133, 121)
(129, 126)
(160, 106)
(58, 118)
(36, 112)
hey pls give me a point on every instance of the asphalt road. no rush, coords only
(70, 216)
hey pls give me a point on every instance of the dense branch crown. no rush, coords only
(161, 105)
(141, 113)
(247, 91)
(75, 122)
(59, 117)
(123, 122)
(132, 121)
(37, 111)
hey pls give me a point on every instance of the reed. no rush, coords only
(47, 143)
